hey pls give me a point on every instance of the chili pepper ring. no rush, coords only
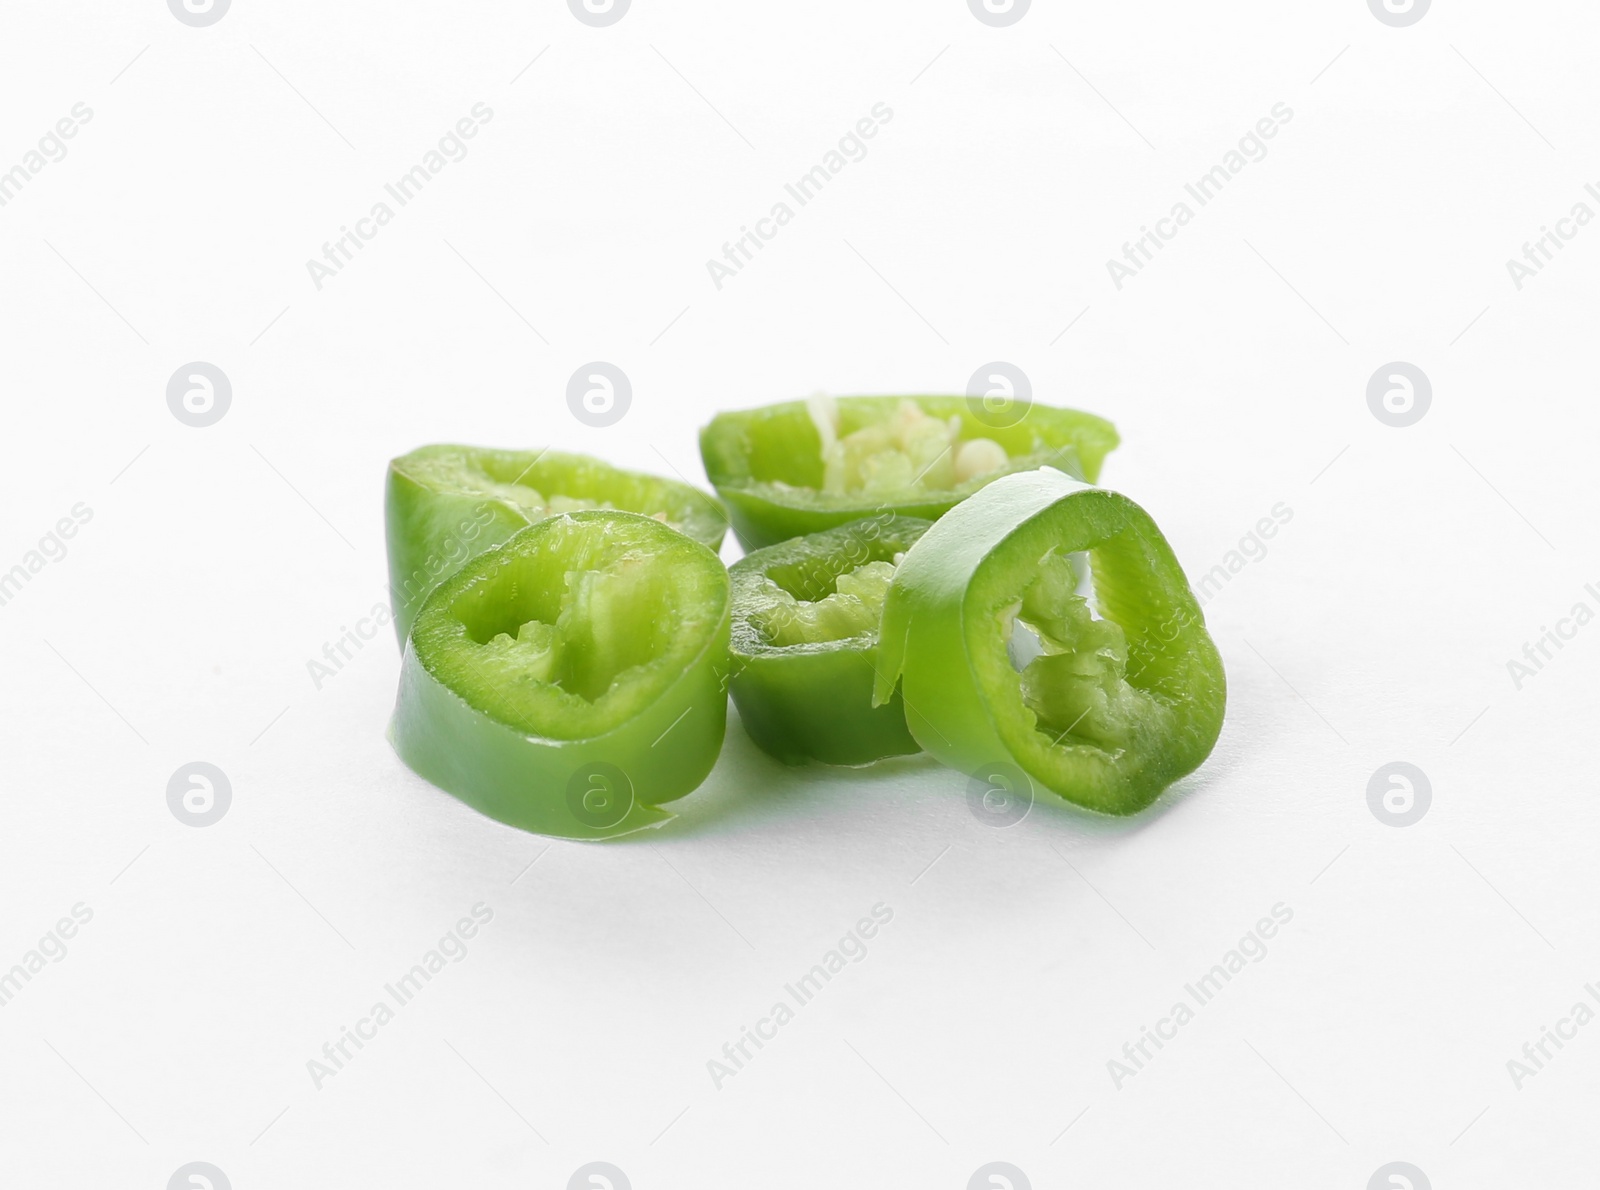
(999, 657)
(573, 679)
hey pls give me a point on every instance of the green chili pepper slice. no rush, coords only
(1110, 711)
(573, 679)
(804, 643)
(796, 468)
(445, 504)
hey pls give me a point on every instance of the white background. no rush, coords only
(1378, 627)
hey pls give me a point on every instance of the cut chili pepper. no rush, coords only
(446, 504)
(804, 643)
(1001, 659)
(796, 468)
(572, 680)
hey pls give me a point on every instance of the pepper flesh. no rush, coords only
(1113, 709)
(447, 504)
(572, 680)
(804, 644)
(799, 467)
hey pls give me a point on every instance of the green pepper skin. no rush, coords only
(766, 463)
(540, 780)
(813, 701)
(436, 522)
(943, 639)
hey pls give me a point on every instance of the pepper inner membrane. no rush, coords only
(800, 604)
(908, 450)
(581, 626)
(1073, 664)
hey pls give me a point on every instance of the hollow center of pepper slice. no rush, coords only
(1075, 680)
(576, 624)
(795, 608)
